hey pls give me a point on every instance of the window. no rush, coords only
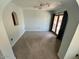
(54, 23)
(14, 18)
(57, 23)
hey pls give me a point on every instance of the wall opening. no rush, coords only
(14, 18)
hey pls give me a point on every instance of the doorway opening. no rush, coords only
(58, 24)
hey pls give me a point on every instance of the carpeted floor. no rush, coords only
(37, 45)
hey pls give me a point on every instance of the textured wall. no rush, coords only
(14, 32)
(5, 46)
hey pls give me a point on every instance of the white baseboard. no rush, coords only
(17, 39)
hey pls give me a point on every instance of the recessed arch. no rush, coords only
(15, 18)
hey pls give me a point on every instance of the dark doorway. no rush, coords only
(58, 24)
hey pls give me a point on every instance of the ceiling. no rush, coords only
(29, 4)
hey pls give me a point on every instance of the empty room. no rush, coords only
(39, 29)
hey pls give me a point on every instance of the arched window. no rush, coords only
(15, 19)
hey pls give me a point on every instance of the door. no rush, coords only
(58, 24)
(54, 27)
(63, 26)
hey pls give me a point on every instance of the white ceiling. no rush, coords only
(29, 4)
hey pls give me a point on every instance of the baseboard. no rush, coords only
(17, 39)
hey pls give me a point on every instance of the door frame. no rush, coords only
(52, 21)
(63, 24)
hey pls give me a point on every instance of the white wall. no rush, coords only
(74, 46)
(1, 55)
(73, 20)
(77, 1)
(5, 46)
(14, 32)
(36, 20)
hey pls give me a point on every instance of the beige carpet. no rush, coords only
(36, 45)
